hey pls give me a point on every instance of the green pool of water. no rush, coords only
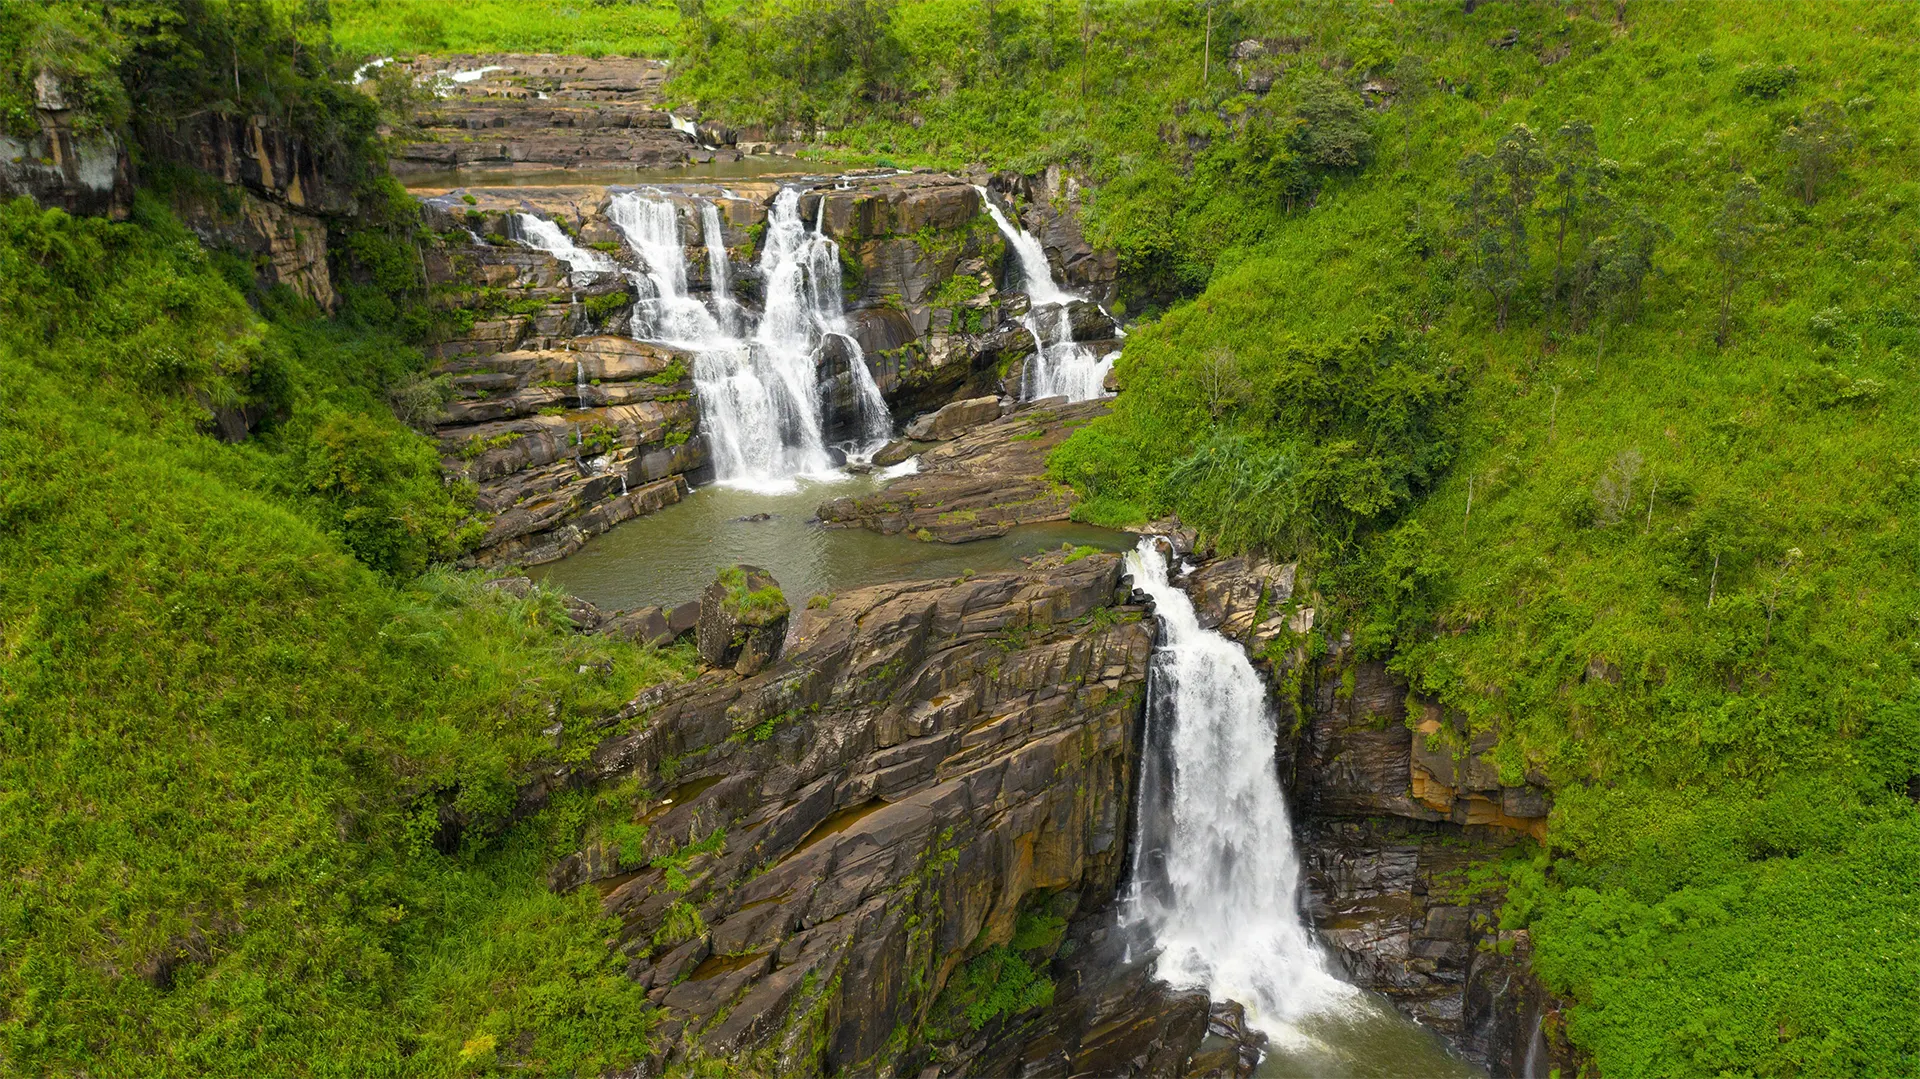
(1365, 1039)
(668, 557)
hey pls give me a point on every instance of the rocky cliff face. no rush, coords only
(828, 838)
(63, 165)
(515, 111)
(988, 479)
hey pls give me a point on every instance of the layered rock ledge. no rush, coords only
(830, 837)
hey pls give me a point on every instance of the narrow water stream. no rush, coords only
(667, 557)
(1215, 879)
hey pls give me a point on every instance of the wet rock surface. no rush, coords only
(828, 838)
(979, 485)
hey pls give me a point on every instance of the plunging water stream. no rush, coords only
(583, 263)
(1215, 879)
(1061, 367)
(764, 391)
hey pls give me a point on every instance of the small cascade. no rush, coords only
(719, 271)
(583, 263)
(1060, 367)
(1215, 878)
(651, 226)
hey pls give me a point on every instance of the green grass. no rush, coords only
(229, 744)
(586, 28)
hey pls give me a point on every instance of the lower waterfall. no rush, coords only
(1215, 877)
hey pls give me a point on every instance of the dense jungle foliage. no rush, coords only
(1571, 346)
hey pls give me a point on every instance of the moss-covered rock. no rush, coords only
(743, 619)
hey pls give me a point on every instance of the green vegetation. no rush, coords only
(751, 606)
(258, 772)
(388, 27)
(1003, 980)
(1585, 344)
(1571, 347)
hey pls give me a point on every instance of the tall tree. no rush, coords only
(1737, 232)
(1495, 205)
(1618, 265)
(1582, 201)
(1813, 146)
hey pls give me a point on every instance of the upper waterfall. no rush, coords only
(1215, 874)
(765, 391)
(651, 226)
(1060, 366)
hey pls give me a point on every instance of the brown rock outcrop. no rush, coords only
(829, 837)
(518, 111)
(981, 484)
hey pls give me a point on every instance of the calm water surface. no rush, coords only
(1366, 1039)
(668, 557)
(747, 168)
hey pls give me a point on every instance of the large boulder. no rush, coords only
(954, 420)
(743, 620)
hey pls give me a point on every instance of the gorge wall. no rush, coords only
(828, 837)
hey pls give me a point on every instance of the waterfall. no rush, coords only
(651, 226)
(763, 403)
(1060, 366)
(583, 263)
(1215, 876)
(719, 270)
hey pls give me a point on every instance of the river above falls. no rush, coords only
(668, 557)
(754, 167)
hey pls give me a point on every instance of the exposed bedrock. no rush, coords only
(985, 481)
(828, 838)
(531, 111)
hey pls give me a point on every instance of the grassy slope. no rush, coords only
(226, 741)
(389, 27)
(1736, 858)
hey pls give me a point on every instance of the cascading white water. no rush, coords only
(583, 263)
(719, 271)
(761, 397)
(1061, 367)
(651, 226)
(1215, 875)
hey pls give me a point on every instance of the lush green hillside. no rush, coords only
(258, 769)
(370, 28)
(1676, 575)
(1668, 556)
(231, 748)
